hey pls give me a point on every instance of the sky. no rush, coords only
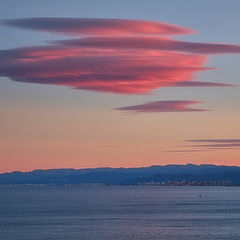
(91, 83)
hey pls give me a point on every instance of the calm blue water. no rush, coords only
(104, 212)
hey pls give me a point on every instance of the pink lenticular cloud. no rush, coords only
(164, 106)
(133, 63)
(92, 69)
(97, 26)
(151, 43)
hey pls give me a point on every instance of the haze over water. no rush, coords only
(113, 212)
(88, 84)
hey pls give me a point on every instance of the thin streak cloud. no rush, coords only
(202, 84)
(214, 144)
(223, 145)
(185, 151)
(234, 140)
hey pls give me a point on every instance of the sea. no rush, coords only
(119, 212)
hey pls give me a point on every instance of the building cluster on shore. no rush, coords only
(150, 183)
(187, 183)
(50, 185)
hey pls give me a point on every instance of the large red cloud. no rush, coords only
(133, 63)
(164, 106)
(92, 69)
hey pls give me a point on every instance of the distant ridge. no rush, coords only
(125, 176)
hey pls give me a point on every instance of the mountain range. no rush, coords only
(126, 176)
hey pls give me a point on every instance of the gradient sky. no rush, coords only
(119, 83)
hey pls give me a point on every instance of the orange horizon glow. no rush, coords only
(128, 109)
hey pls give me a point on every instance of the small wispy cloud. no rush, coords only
(164, 106)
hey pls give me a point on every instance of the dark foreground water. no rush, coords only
(103, 212)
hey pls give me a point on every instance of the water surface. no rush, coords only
(113, 212)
